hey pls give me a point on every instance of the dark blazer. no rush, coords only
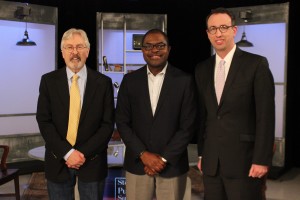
(240, 131)
(95, 125)
(168, 132)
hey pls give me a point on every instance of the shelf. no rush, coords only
(134, 51)
(112, 72)
(127, 64)
(120, 36)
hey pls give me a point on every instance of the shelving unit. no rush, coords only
(115, 42)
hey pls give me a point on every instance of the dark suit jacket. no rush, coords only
(169, 131)
(95, 125)
(240, 131)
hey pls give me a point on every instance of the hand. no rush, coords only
(258, 171)
(75, 160)
(149, 171)
(199, 164)
(153, 162)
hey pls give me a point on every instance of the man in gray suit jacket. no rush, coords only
(155, 116)
(237, 132)
(87, 158)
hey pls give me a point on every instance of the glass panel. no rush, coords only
(116, 32)
(112, 48)
(268, 40)
(280, 115)
(23, 63)
(24, 66)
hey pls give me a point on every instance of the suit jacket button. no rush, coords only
(219, 117)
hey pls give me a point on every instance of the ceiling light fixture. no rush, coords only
(26, 41)
(244, 42)
(246, 16)
(22, 13)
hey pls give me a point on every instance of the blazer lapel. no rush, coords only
(234, 68)
(167, 84)
(145, 91)
(211, 80)
(63, 88)
(90, 89)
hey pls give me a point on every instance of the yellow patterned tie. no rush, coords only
(74, 113)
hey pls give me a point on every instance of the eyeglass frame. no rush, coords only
(70, 48)
(158, 46)
(224, 27)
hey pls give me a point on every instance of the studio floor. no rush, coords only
(286, 187)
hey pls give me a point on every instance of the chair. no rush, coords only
(6, 175)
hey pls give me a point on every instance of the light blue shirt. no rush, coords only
(81, 80)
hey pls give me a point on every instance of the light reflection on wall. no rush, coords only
(21, 69)
(269, 40)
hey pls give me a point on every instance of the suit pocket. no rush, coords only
(94, 157)
(53, 155)
(247, 138)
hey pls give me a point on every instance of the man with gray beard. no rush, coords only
(75, 115)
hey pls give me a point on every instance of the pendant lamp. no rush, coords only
(244, 42)
(26, 41)
(245, 16)
(22, 13)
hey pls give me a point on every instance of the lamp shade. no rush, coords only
(26, 41)
(244, 42)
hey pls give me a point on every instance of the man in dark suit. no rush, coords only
(236, 136)
(86, 156)
(155, 116)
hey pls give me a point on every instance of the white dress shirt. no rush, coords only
(155, 83)
(227, 59)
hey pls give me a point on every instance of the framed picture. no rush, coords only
(137, 41)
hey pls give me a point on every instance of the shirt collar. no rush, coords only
(163, 71)
(82, 73)
(228, 57)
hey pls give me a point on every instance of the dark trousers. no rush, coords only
(219, 187)
(65, 190)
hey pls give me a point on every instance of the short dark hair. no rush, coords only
(155, 30)
(222, 11)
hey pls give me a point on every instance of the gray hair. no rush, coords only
(69, 33)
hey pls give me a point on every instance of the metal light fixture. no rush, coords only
(26, 41)
(246, 16)
(22, 13)
(244, 42)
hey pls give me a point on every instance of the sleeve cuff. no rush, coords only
(68, 154)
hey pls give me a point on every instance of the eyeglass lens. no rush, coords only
(158, 46)
(222, 29)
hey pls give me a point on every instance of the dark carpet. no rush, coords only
(37, 189)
